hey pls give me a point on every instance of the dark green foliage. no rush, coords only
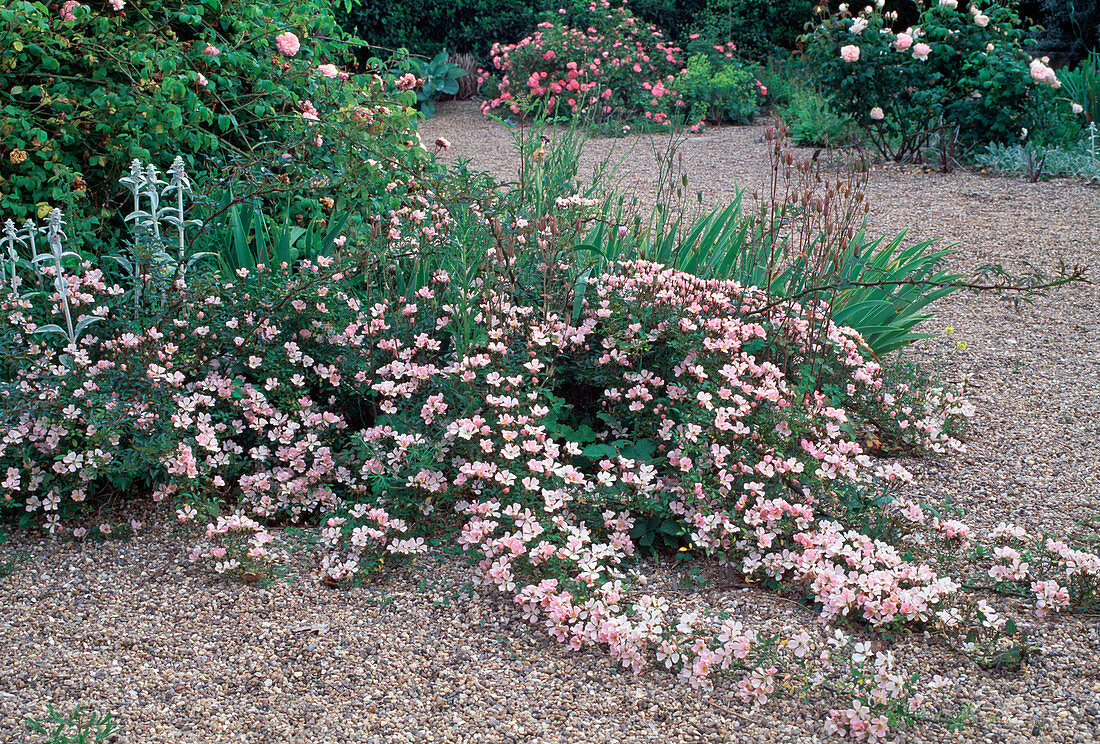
(425, 27)
(759, 29)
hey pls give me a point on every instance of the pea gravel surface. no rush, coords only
(133, 629)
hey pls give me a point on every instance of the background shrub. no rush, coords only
(965, 76)
(758, 29)
(424, 28)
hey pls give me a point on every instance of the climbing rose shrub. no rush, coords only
(961, 67)
(87, 87)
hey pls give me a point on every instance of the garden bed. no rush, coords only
(178, 655)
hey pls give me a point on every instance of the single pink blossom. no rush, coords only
(211, 50)
(202, 80)
(903, 42)
(877, 114)
(921, 51)
(849, 53)
(287, 43)
(118, 5)
(329, 71)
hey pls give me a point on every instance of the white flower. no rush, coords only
(953, 4)
(858, 25)
(1077, 108)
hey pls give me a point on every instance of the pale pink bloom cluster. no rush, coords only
(236, 543)
(1049, 597)
(1041, 72)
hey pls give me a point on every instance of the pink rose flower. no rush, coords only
(211, 50)
(921, 51)
(328, 71)
(982, 20)
(68, 9)
(877, 114)
(903, 42)
(1077, 108)
(118, 5)
(202, 80)
(549, 55)
(287, 44)
(849, 53)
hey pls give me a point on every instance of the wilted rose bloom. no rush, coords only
(877, 114)
(849, 53)
(858, 25)
(287, 44)
(1077, 108)
(67, 10)
(442, 143)
(921, 50)
(329, 71)
(202, 80)
(406, 82)
(904, 41)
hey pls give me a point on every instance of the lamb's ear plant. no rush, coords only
(54, 258)
(150, 248)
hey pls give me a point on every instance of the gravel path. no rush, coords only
(177, 656)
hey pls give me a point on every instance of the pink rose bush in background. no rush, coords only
(620, 70)
(955, 70)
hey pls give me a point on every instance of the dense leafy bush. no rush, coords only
(959, 75)
(424, 28)
(86, 88)
(1067, 29)
(758, 30)
(729, 92)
